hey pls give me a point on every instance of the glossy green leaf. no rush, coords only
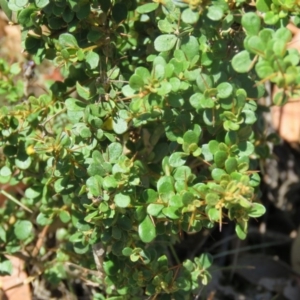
(82, 91)
(147, 8)
(122, 200)
(220, 158)
(204, 82)
(171, 212)
(231, 165)
(23, 161)
(205, 260)
(251, 23)
(217, 174)
(67, 40)
(224, 89)
(41, 3)
(127, 251)
(147, 230)
(92, 59)
(176, 159)
(119, 125)
(215, 13)
(242, 62)
(189, 16)
(263, 5)
(256, 210)
(154, 209)
(214, 214)
(240, 231)
(64, 216)
(136, 82)
(271, 18)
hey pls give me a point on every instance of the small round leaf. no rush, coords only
(165, 42)
(23, 229)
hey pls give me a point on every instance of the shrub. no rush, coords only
(156, 130)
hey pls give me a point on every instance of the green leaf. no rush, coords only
(283, 34)
(94, 184)
(231, 165)
(242, 62)
(224, 89)
(256, 45)
(263, 5)
(154, 209)
(43, 219)
(246, 148)
(119, 125)
(5, 172)
(190, 46)
(165, 26)
(217, 174)
(190, 137)
(67, 40)
(114, 151)
(127, 251)
(240, 231)
(64, 216)
(109, 182)
(189, 16)
(23, 161)
(271, 18)
(254, 180)
(213, 146)
(212, 199)
(111, 266)
(205, 260)
(171, 212)
(251, 23)
(136, 82)
(213, 214)
(74, 105)
(280, 98)
(92, 59)
(23, 229)
(83, 91)
(147, 230)
(256, 210)
(6, 267)
(21, 3)
(41, 3)
(33, 192)
(122, 200)
(220, 158)
(165, 42)
(2, 234)
(24, 17)
(176, 160)
(264, 69)
(147, 8)
(204, 82)
(250, 116)
(215, 13)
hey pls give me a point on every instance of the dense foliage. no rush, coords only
(156, 130)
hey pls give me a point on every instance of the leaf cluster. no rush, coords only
(152, 133)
